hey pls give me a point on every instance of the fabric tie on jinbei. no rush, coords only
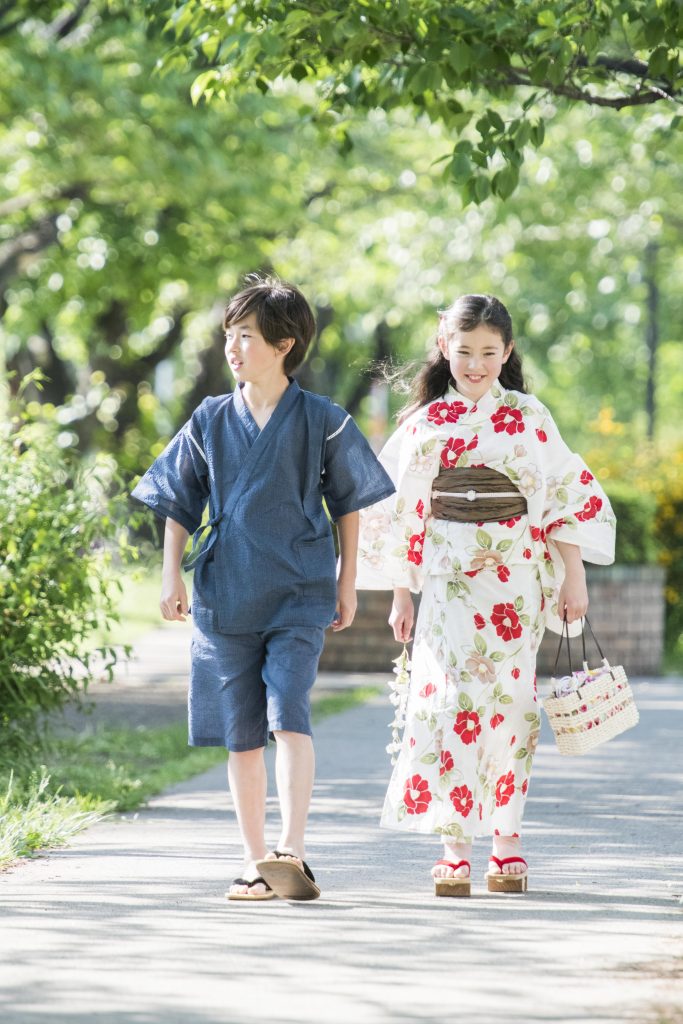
(475, 495)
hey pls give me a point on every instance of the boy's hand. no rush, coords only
(174, 604)
(402, 615)
(347, 602)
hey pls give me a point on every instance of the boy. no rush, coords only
(265, 586)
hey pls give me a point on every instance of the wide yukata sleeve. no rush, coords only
(176, 485)
(352, 474)
(392, 532)
(575, 510)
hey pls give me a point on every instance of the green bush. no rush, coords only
(59, 533)
(636, 513)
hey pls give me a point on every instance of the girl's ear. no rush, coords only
(508, 351)
(443, 345)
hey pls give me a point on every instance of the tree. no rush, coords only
(433, 58)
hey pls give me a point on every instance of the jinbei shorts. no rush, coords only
(245, 685)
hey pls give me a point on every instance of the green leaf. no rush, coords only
(504, 545)
(521, 753)
(429, 759)
(519, 603)
(465, 702)
(531, 716)
(658, 63)
(451, 590)
(480, 643)
(496, 656)
(484, 539)
(506, 699)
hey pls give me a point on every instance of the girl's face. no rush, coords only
(475, 358)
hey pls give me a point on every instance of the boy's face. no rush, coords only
(250, 357)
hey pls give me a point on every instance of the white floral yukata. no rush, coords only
(488, 592)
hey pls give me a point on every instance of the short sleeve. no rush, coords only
(353, 477)
(176, 485)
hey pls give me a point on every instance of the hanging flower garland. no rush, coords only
(399, 698)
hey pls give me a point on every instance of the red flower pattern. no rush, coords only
(537, 533)
(515, 673)
(555, 525)
(415, 548)
(496, 720)
(527, 552)
(505, 789)
(542, 436)
(420, 508)
(590, 509)
(479, 621)
(467, 726)
(506, 620)
(453, 449)
(586, 477)
(525, 786)
(446, 762)
(416, 795)
(462, 799)
(509, 522)
(445, 412)
(509, 420)
(428, 690)
(503, 573)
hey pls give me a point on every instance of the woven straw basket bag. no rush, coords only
(598, 709)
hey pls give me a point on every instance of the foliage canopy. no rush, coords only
(433, 58)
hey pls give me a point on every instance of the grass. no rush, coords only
(111, 770)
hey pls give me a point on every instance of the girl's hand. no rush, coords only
(347, 602)
(402, 615)
(174, 604)
(573, 598)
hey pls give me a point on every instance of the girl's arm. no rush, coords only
(174, 604)
(573, 597)
(402, 614)
(347, 531)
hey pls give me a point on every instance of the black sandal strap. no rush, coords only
(290, 856)
(259, 880)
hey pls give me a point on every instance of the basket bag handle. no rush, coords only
(565, 636)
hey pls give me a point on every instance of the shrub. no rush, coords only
(636, 513)
(59, 532)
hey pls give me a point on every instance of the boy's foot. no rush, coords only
(288, 876)
(454, 853)
(251, 885)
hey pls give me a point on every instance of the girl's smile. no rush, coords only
(475, 358)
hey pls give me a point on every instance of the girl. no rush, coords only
(491, 520)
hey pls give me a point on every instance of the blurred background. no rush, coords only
(134, 197)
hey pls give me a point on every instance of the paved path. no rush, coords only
(129, 925)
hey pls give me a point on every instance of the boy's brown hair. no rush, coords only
(281, 312)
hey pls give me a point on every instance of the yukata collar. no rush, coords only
(488, 402)
(245, 415)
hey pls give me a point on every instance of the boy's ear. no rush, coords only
(285, 345)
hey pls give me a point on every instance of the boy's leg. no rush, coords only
(290, 670)
(248, 785)
(294, 772)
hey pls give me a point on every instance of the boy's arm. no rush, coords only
(174, 603)
(347, 531)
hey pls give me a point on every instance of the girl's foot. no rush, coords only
(454, 853)
(249, 870)
(504, 847)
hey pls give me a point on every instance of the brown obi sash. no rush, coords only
(483, 495)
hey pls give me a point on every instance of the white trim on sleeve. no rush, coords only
(189, 434)
(339, 430)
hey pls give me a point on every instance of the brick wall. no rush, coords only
(626, 612)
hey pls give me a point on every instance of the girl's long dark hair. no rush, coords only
(468, 312)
